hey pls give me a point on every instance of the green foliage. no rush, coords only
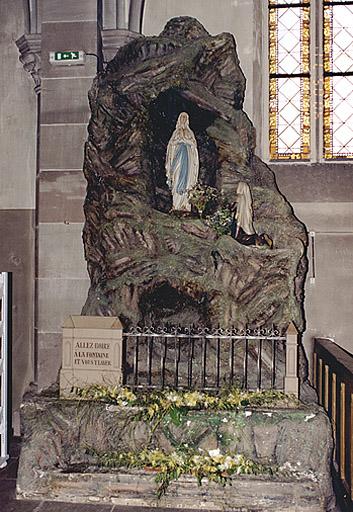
(112, 394)
(177, 415)
(213, 465)
(155, 405)
(171, 406)
(220, 220)
(212, 207)
(204, 198)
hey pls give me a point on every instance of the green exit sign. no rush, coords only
(67, 58)
(67, 55)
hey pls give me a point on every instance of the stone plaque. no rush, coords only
(92, 350)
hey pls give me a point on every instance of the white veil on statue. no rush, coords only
(182, 163)
(242, 227)
(244, 213)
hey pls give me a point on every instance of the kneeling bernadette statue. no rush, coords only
(182, 163)
(242, 227)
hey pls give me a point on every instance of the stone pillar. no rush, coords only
(291, 380)
(122, 22)
(62, 280)
(136, 14)
(17, 197)
(114, 39)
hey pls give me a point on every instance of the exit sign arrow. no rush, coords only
(67, 58)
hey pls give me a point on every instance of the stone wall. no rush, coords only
(321, 195)
(61, 274)
(17, 189)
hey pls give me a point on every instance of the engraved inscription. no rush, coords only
(91, 354)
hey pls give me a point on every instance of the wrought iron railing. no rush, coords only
(209, 358)
(333, 380)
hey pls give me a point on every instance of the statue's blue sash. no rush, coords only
(182, 156)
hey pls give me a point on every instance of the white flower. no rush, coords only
(228, 463)
(248, 413)
(176, 457)
(112, 408)
(287, 466)
(309, 417)
(172, 397)
(214, 453)
(224, 420)
(188, 423)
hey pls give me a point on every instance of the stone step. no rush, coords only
(138, 488)
(61, 438)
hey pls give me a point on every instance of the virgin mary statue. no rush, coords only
(182, 163)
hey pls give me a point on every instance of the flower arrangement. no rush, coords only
(220, 220)
(156, 404)
(212, 207)
(213, 465)
(204, 198)
(173, 405)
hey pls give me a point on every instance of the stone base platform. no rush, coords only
(138, 488)
(56, 465)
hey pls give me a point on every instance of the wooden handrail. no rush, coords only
(333, 379)
(339, 359)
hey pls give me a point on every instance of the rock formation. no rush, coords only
(59, 435)
(146, 263)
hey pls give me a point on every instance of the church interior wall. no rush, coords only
(62, 279)
(322, 198)
(18, 116)
(18, 105)
(321, 194)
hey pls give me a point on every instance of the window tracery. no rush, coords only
(289, 52)
(338, 79)
(310, 110)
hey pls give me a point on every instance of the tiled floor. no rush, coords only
(8, 503)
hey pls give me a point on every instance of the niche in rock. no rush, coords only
(165, 304)
(164, 112)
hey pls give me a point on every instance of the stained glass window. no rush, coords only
(289, 88)
(338, 79)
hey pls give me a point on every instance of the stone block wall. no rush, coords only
(17, 190)
(62, 279)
